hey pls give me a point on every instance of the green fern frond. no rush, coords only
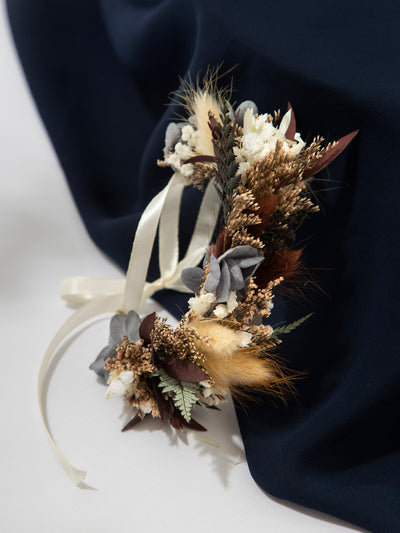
(290, 327)
(184, 394)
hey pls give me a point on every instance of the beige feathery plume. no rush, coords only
(201, 100)
(204, 104)
(228, 358)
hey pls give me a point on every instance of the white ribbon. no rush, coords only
(102, 295)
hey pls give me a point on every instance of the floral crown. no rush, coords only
(255, 171)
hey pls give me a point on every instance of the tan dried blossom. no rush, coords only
(275, 119)
(131, 356)
(202, 172)
(278, 169)
(243, 214)
(162, 163)
(144, 395)
(256, 303)
(206, 271)
(178, 341)
(261, 335)
(278, 184)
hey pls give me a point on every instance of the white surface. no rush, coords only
(148, 479)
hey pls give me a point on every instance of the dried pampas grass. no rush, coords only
(200, 100)
(229, 360)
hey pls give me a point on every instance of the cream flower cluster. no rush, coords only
(223, 310)
(120, 384)
(202, 304)
(211, 395)
(260, 137)
(183, 150)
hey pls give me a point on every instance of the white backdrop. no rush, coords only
(147, 479)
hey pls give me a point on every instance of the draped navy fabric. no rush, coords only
(101, 73)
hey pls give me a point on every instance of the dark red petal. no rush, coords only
(330, 155)
(177, 421)
(214, 126)
(291, 131)
(182, 369)
(146, 327)
(278, 264)
(135, 420)
(201, 159)
(165, 407)
(194, 425)
(217, 248)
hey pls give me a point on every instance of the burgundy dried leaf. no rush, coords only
(182, 369)
(135, 420)
(165, 406)
(214, 126)
(267, 209)
(177, 421)
(291, 131)
(284, 264)
(217, 248)
(200, 159)
(146, 327)
(193, 425)
(330, 155)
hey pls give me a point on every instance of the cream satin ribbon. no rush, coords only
(103, 295)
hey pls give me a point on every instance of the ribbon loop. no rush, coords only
(102, 295)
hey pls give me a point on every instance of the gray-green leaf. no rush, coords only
(290, 327)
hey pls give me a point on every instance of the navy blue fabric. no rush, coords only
(101, 72)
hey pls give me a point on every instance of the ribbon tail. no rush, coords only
(88, 311)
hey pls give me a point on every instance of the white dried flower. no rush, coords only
(181, 153)
(270, 305)
(223, 310)
(145, 407)
(115, 388)
(244, 338)
(260, 137)
(187, 169)
(187, 132)
(201, 304)
(126, 377)
(120, 384)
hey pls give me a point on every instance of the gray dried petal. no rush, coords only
(240, 252)
(191, 277)
(214, 275)
(117, 328)
(224, 285)
(120, 326)
(242, 108)
(237, 280)
(132, 326)
(98, 364)
(229, 272)
(172, 135)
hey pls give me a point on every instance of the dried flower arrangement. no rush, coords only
(261, 169)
